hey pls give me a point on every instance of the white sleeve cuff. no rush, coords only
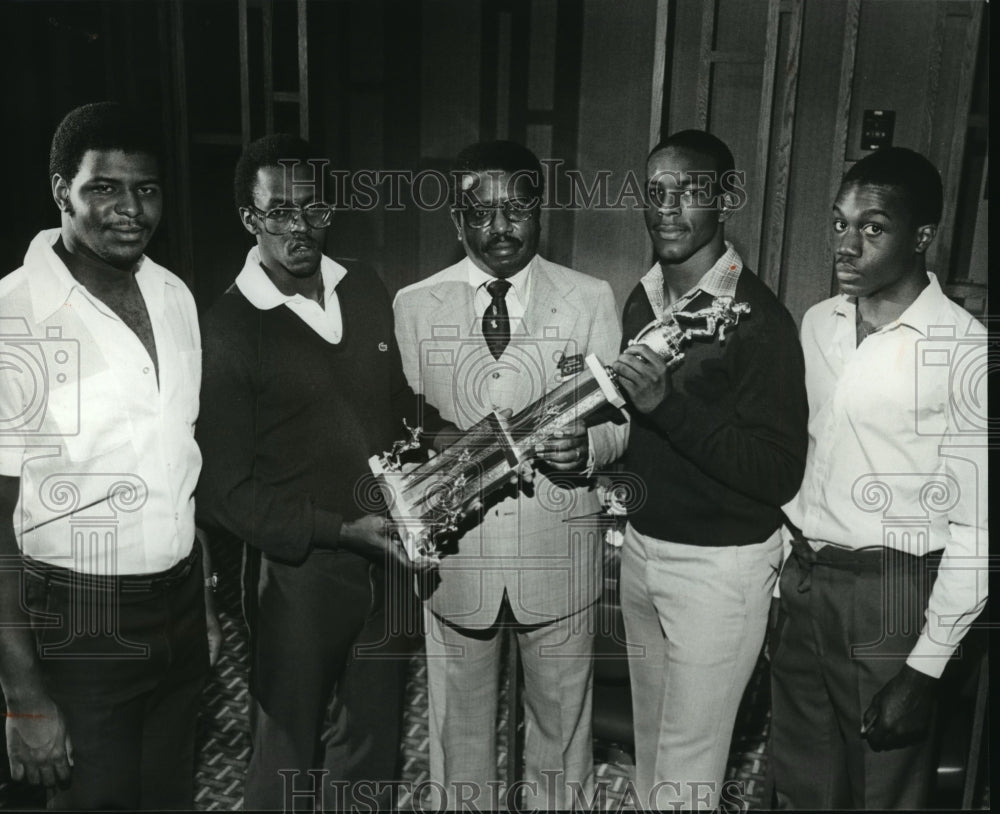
(929, 657)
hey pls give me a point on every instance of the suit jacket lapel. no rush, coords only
(456, 330)
(547, 329)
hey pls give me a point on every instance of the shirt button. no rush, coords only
(145, 370)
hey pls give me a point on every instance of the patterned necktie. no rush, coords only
(496, 321)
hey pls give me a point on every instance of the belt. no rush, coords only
(869, 559)
(130, 583)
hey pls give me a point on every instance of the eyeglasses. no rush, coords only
(278, 221)
(514, 210)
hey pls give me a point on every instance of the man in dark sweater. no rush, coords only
(720, 445)
(303, 382)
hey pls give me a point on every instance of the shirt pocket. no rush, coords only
(91, 419)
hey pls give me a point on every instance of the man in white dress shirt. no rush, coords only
(98, 465)
(888, 567)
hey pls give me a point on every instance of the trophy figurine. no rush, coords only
(427, 503)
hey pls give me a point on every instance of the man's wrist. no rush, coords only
(670, 414)
(917, 678)
(25, 698)
(328, 529)
(444, 437)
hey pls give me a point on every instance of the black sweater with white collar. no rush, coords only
(288, 420)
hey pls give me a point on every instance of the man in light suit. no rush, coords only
(496, 331)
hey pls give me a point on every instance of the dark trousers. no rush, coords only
(845, 628)
(125, 660)
(328, 630)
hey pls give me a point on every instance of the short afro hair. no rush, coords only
(506, 156)
(269, 151)
(701, 143)
(914, 177)
(101, 126)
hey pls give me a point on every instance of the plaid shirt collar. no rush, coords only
(719, 281)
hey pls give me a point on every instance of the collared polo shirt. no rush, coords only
(326, 319)
(719, 281)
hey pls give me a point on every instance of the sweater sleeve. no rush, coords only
(281, 523)
(750, 434)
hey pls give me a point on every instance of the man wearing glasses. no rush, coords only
(302, 384)
(496, 331)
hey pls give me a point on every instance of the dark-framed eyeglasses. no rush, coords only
(278, 221)
(516, 210)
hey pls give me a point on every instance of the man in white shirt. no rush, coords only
(888, 567)
(98, 466)
(495, 332)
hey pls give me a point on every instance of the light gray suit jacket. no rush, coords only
(549, 568)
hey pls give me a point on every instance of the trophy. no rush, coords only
(428, 502)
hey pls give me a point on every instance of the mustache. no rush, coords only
(498, 239)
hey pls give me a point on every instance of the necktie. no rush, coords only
(496, 321)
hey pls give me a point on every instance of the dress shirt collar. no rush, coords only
(924, 312)
(51, 283)
(719, 281)
(520, 281)
(262, 293)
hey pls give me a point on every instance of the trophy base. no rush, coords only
(415, 535)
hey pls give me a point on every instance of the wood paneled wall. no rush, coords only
(834, 60)
(404, 85)
(616, 108)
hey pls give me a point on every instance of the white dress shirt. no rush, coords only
(105, 455)
(498, 382)
(517, 294)
(897, 450)
(326, 319)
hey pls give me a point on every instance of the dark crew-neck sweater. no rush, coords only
(727, 447)
(288, 420)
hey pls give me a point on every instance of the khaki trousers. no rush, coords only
(695, 619)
